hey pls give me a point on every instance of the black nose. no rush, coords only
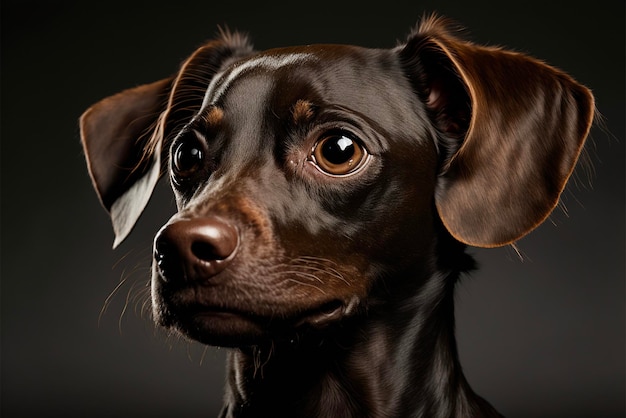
(194, 249)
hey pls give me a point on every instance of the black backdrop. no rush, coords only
(542, 337)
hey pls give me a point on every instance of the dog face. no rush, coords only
(308, 179)
(297, 152)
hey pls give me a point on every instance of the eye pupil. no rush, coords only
(188, 156)
(338, 150)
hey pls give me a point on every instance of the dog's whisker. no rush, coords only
(323, 268)
(517, 251)
(338, 275)
(318, 264)
(309, 267)
(121, 259)
(206, 348)
(140, 298)
(316, 260)
(330, 271)
(145, 299)
(146, 307)
(259, 363)
(127, 276)
(119, 321)
(306, 284)
(189, 354)
(303, 275)
(125, 308)
(109, 298)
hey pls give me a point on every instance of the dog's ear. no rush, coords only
(510, 130)
(123, 135)
(114, 133)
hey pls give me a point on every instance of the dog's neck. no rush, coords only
(399, 360)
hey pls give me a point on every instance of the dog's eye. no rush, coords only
(187, 158)
(338, 154)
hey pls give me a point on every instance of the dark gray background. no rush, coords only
(542, 337)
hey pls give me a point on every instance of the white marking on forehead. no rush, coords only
(215, 91)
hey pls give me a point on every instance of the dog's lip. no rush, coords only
(201, 311)
(324, 312)
(218, 326)
(208, 323)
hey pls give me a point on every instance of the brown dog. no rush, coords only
(326, 195)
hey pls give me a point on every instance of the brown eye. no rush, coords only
(338, 154)
(187, 158)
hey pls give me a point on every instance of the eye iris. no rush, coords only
(338, 154)
(187, 158)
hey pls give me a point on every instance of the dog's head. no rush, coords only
(303, 176)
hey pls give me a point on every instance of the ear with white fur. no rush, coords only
(124, 135)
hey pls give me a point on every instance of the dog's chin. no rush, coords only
(231, 328)
(223, 329)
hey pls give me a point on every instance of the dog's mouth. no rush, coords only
(230, 327)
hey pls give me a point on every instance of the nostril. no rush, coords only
(166, 256)
(206, 251)
(160, 249)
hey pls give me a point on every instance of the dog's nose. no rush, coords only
(194, 249)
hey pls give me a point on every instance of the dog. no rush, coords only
(326, 196)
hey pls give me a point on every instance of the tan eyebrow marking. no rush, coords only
(213, 117)
(302, 111)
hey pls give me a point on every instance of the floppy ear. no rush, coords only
(510, 127)
(123, 135)
(114, 133)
